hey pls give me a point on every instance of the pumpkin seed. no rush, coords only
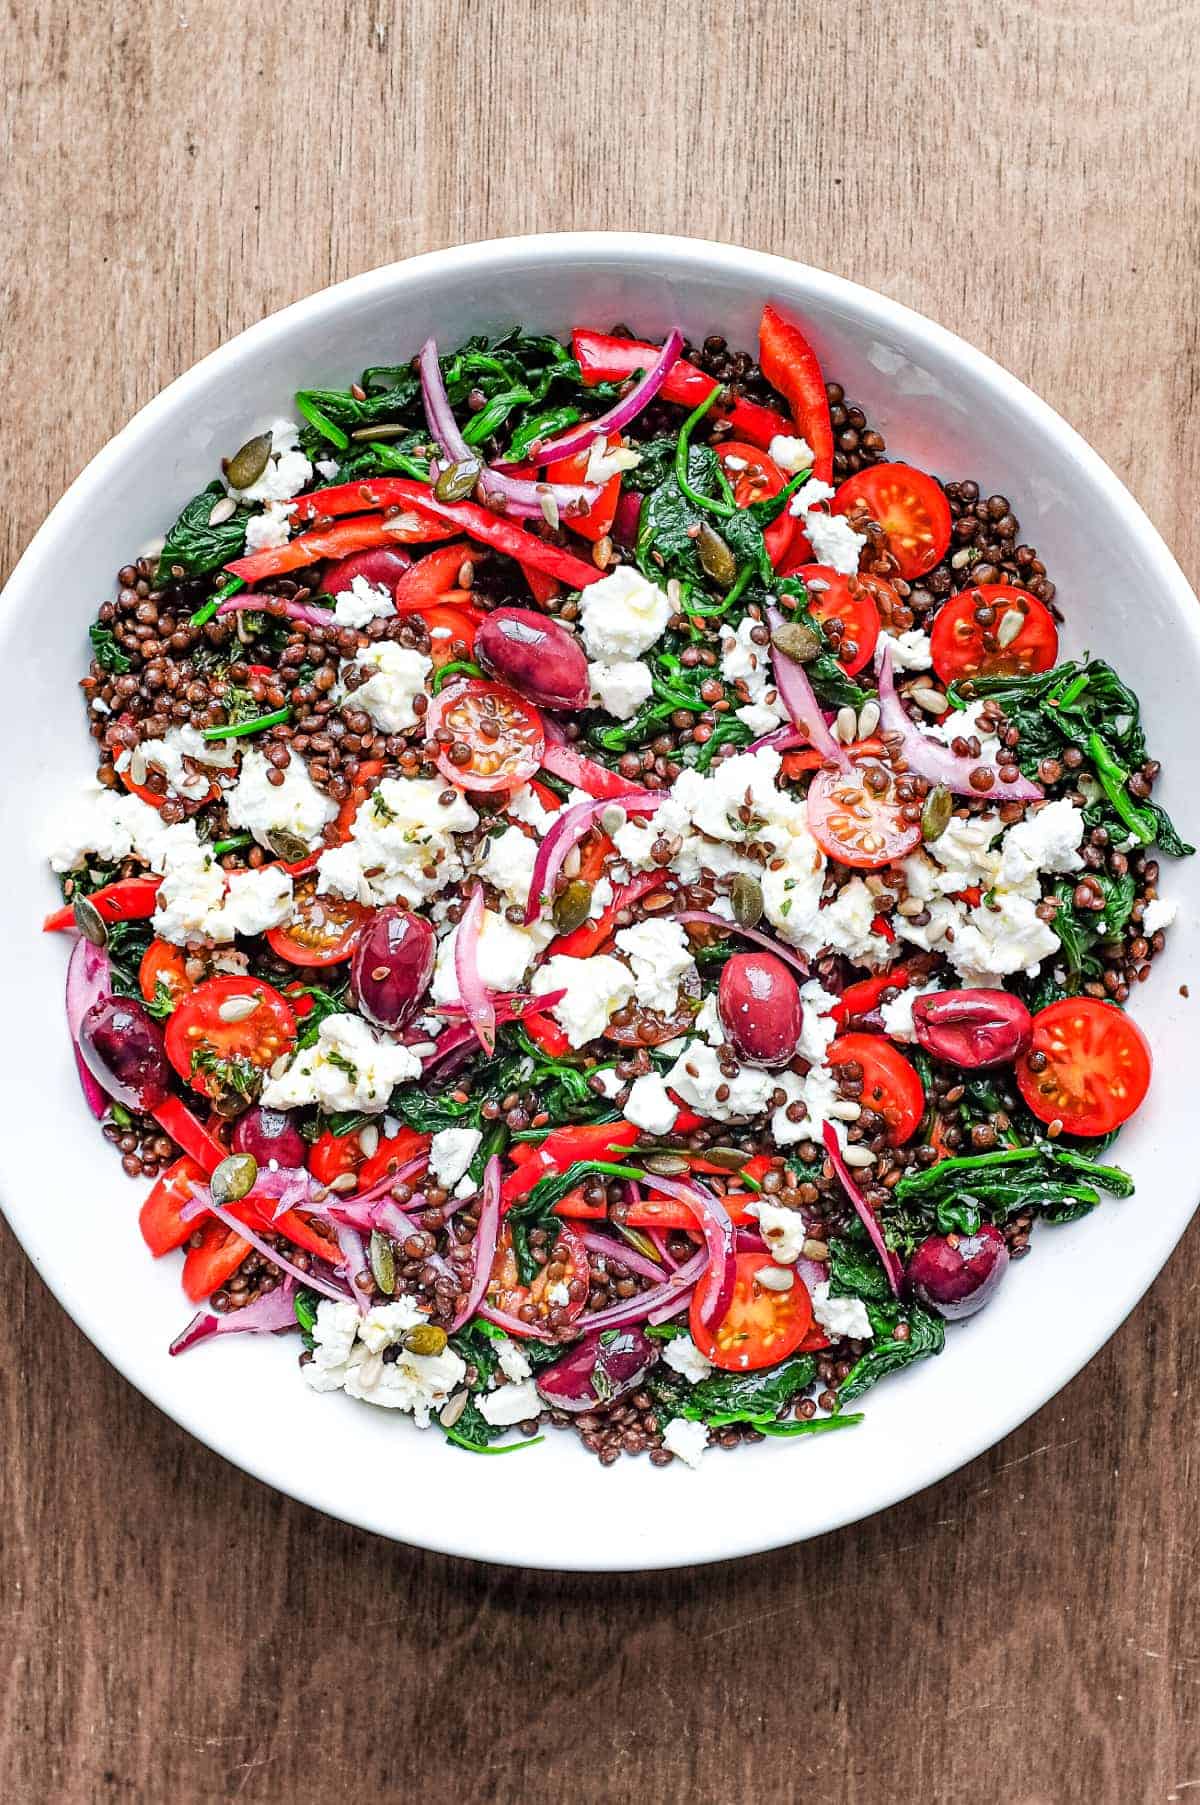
(381, 1255)
(716, 559)
(572, 906)
(287, 845)
(387, 429)
(425, 1338)
(732, 1159)
(667, 1165)
(747, 898)
(89, 921)
(245, 467)
(457, 481)
(936, 813)
(233, 1178)
(795, 640)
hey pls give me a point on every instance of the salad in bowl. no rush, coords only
(601, 906)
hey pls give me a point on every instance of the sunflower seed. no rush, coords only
(909, 906)
(775, 1278)
(815, 1250)
(281, 1065)
(859, 1157)
(846, 725)
(931, 700)
(453, 1408)
(236, 1009)
(1011, 623)
(345, 1181)
(548, 503)
(868, 720)
(368, 1140)
(613, 819)
(223, 510)
(845, 1109)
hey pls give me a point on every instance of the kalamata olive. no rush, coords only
(383, 567)
(956, 1274)
(598, 1369)
(392, 967)
(536, 655)
(122, 1047)
(972, 1028)
(759, 1005)
(269, 1134)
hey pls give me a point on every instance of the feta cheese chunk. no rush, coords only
(649, 1105)
(362, 603)
(347, 1358)
(623, 614)
(841, 1315)
(911, 651)
(168, 755)
(810, 495)
(595, 989)
(782, 1229)
(513, 1362)
(347, 1068)
(296, 806)
(620, 687)
(792, 455)
(1159, 914)
(834, 541)
(510, 1404)
(508, 861)
(661, 956)
(267, 531)
(1047, 840)
(686, 1440)
(451, 1152)
(287, 471)
(396, 674)
(503, 955)
(999, 940)
(696, 1077)
(254, 901)
(400, 847)
(683, 1356)
(605, 461)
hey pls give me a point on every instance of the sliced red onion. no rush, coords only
(813, 1272)
(315, 1281)
(658, 1241)
(562, 758)
(796, 694)
(512, 1325)
(270, 1312)
(716, 1287)
(510, 1005)
(866, 1215)
(570, 825)
(254, 604)
(579, 438)
(460, 1040)
(518, 491)
(89, 980)
(929, 758)
(750, 1241)
(620, 1252)
(664, 1301)
(709, 918)
(354, 1261)
(486, 1236)
(784, 739)
(392, 1220)
(477, 1002)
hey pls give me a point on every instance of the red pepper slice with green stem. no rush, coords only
(602, 358)
(129, 899)
(790, 364)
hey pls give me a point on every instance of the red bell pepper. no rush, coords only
(547, 1035)
(581, 942)
(598, 520)
(605, 359)
(159, 1216)
(809, 759)
(357, 498)
(790, 365)
(542, 588)
(310, 548)
(430, 577)
(216, 1258)
(863, 997)
(563, 760)
(177, 1120)
(500, 534)
(561, 1148)
(129, 899)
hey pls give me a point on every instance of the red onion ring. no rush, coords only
(314, 1280)
(715, 1225)
(270, 1312)
(788, 954)
(256, 604)
(354, 1260)
(866, 1215)
(622, 1253)
(663, 1301)
(486, 1236)
(796, 694)
(503, 1002)
(511, 1324)
(478, 1004)
(937, 762)
(579, 438)
(570, 825)
(89, 980)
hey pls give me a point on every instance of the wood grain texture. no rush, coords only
(1026, 172)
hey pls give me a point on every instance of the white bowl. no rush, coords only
(940, 404)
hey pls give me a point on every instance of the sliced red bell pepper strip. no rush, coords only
(790, 365)
(357, 498)
(809, 759)
(177, 1120)
(561, 1148)
(430, 577)
(599, 518)
(546, 796)
(218, 1256)
(863, 997)
(562, 760)
(502, 535)
(547, 1035)
(159, 1216)
(129, 899)
(310, 548)
(602, 358)
(541, 587)
(581, 942)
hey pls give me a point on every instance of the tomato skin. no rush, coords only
(876, 832)
(196, 1024)
(1098, 1066)
(598, 521)
(506, 1292)
(850, 600)
(758, 480)
(433, 575)
(511, 758)
(321, 930)
(760, 1327)
(331, 1155)
(956, 638)
(392, 1152)
(453, 623)
(165, 964)
(891, 1086)
(863, 997)
(910, 506)
(158, 1217)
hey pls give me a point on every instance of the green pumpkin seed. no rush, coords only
(385, 430)
(795, 640)
(572, 906)
(716, 559)
(732, 1159)
(425, 1338)
(247, 465)
(935, 816)
(457, 481)
(287, 845)
(382, 1257)
(747, 898)
(666, 1165)
(234, 1178)
(89, 921)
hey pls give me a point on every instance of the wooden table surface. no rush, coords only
(1025, 172)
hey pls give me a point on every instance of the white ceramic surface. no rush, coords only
(939, 403)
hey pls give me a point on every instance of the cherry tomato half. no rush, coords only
(333, 1155)
(856, 823)
(453, 624)
(761, 1326)
(891, 1086)
(1097, 1066)
(234, 1022)
(911, 508)
(393, 1151)
(964, 646)
(322, 929)
(852, 600)
(165, 966)
(753, 476)
(496, 734)
(216, 1258)
(567, 1265)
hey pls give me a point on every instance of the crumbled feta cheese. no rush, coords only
(503, 954)
(363, 602)
(897, 1012)
(661, 956)
(998, 940)
(347, 1067)
(508, 863)
(287, 471)
(296, 806)
(396, 674)
(810, 495)
(1048, 840)
(192, 892)
(841, 1315)
(845, 926)
(349, 1358)
(814, 1098)
(525, 805)
(696, 1077)
(610, 1085)
(820, 1025)
(683, 1356)
(267, 531)
(168, 754)
(962, 851)
(451, 1152)
(400, 847)
(834, 541)
(595, 989)
(602, 896)
(686, 1440)
(649, 1105)
(623, 614)
(911, 651)
(326, 468)
(109, 825)
(792, 455)
(1159, 914)
(605, 462)
(510, 1404)
(782, 1229)
(708, 1022)
(620, 687)
(386, 1324)
(513, 1362)
(254, 901)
